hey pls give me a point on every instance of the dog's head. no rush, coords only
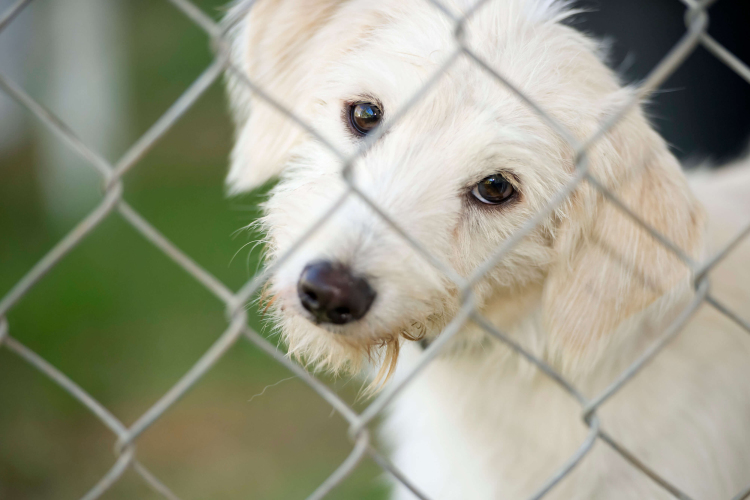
(460, 171)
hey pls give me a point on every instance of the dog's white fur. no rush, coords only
(587, 291)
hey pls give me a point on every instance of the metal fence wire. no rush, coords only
(696, 21)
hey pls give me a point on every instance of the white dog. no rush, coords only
(587, 291)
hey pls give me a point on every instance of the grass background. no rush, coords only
(125, 323)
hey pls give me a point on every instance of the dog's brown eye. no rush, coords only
(364, 116)
(493, 190)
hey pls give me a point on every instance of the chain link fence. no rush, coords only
(696, 22)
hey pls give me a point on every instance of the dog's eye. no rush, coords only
(493, 190)
(364, 116)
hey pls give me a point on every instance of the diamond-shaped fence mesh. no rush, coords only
(234, 301)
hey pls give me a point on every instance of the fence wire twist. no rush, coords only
(696, 25)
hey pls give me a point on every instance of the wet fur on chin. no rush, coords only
(330, 350)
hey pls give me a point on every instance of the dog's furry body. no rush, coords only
(587, 291)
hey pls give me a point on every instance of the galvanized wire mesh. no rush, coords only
(112, 174)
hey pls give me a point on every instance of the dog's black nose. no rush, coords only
(333, 294)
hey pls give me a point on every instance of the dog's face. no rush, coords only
(459, 172)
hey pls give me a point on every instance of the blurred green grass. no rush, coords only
(125, 323)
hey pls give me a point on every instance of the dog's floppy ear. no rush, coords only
(609, 268)
(272, 44)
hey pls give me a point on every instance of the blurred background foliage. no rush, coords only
(125, 323)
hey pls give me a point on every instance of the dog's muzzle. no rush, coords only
(332, 294)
